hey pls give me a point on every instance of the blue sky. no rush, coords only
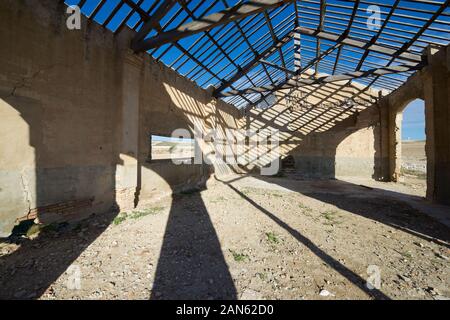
(235, 45)
(413, 127)
(239, 52)
(168, 139)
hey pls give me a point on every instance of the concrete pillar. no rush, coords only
(395, 137)
(398, 146)
(429, 131)
(127, 171)
(437, 99)
(383, 155)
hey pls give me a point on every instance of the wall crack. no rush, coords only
(28, 79)
(26, 190)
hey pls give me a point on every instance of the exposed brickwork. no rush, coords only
(67, 207)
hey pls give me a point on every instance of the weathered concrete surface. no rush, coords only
(81, 108)
(437, 99)
(431, 85)
(57, 93)
(77, 109)
(327, 137)
(393, 107)
(70, 104)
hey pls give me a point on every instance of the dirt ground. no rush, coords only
(414, 165)
(246, 238)
(413, 152)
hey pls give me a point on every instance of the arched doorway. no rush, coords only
(411, 159)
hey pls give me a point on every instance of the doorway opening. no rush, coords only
(411, 157)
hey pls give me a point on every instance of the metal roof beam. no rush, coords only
(276, 66)
(153, 21)
(234, 13)
(359, 44)
(327, 79)
(249, 66)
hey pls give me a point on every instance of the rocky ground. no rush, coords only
(414, 165)
(413, 155)
(245, 238)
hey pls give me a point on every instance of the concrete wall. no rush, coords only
(431, 84)
(392, 107)
(437, 114)
(327, 137)
(77, 109)
(58, 102)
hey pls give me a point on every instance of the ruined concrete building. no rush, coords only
(94, 93)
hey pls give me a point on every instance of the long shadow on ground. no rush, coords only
(191, 263)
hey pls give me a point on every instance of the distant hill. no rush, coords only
(413, 141)
(164, 143)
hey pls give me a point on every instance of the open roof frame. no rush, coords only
(250, 49)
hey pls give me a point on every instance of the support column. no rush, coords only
(127, 171)
(395, 138)
(383, 155)
(437, 100)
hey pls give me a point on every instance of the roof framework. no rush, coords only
(250, 49)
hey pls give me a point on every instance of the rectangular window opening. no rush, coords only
(169, 148)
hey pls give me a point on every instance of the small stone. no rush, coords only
(404, 278)
(19, 294)
(441, 256)
(439, 297)
(432, 291)
(32, 295)
(324, 293)
(249, 294)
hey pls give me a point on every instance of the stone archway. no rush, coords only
(410, 157)
(397, 101)
(397, 134)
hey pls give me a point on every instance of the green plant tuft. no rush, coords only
(239, 257)
(272, 238)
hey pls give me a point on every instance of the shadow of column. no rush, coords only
(350, 275)
(191, 264)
